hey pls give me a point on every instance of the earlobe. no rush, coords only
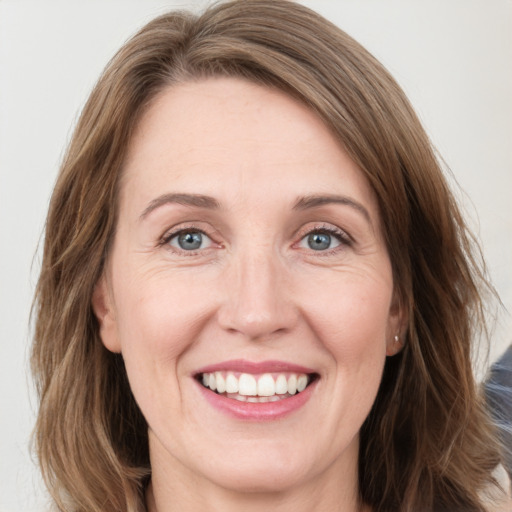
(397, 327)
(103, 307)
(394, 346)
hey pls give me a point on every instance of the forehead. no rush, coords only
(215, 135)
(199, 116)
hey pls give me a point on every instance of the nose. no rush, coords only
(258, 297)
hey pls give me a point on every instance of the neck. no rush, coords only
(174, 488)
(232, 501)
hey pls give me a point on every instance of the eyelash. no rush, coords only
(341, 236)
(167, 238)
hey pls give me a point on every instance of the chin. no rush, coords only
(263, 477)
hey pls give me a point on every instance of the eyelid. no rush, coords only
(185, 227)
(328, 228)
(344, 238)
(174, 240)
(341, 235)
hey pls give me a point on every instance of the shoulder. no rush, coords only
(499, 499)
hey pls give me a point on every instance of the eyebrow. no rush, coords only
(316, 201)
(197, 200)
(202, 201)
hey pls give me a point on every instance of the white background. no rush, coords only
(453, 58)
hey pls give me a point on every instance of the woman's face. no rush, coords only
(249, 258)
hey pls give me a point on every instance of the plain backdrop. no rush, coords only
(452, 57)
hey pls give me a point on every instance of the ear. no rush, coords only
(103, 307)
(397, 325)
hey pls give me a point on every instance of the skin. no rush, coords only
(254, 290)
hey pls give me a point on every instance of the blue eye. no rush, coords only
(322, 240)
(319, 241)
(189, 240)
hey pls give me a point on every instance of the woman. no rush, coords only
(257, 291)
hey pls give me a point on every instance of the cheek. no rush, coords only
(159, 316)
(352, 323)
(158, 320)
(355, 336)
(352, 316)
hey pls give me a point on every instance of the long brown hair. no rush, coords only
(427, 444)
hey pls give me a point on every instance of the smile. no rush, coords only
(261, 391)
(247, 387)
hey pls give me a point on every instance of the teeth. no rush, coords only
(292, 384)
(302, 382)
(221, 383)
(264, 388)
(257, 399)
(231, 383)
(281, 385)
(266, 385)
(213, 382)
(247, 385)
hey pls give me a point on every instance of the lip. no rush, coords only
(243, 366)
(262, 411)
(266, 411)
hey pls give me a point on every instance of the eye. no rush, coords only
(324, 239)
(320, 241)
(189, 240)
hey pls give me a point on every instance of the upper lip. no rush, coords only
(243, 366)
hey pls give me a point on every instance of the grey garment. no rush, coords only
(498, 392)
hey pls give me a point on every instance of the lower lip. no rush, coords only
(259, 411)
